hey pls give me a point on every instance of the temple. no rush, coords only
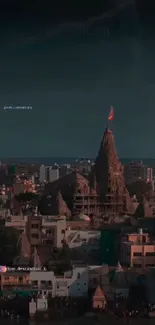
(109, 179)
(79, 197)
(54, 204)
(105, 194)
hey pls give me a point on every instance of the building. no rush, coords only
(53, 204)
(73, 283)
(48, 174)
(135, 171)
(83, 165)
(85, 238)
(83, 245)
(14, 279)
(18, 187)
(18, 222)
(104, 192)
(119, 284)
(55, 231)
(108, 179)
(138, 251)
(76, 192)
(46, 229)
(64, 170)
(99, 300)
(99, 275)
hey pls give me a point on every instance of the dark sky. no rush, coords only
(71, 67)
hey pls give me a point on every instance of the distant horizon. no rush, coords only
(69, 158)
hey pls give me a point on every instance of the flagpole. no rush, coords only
(111, 118)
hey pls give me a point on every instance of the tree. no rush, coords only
(26, 197)
(8, 245)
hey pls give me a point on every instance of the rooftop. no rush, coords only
(132, 243)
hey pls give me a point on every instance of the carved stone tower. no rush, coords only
(109, 176)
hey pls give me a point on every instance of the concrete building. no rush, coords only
(64, 170)
(73, 283)
(46, 229)
(18, 222)
(138, 251)
(77, 238)
(48, 174)
(135, 171)
(14, 280)
(54, 230)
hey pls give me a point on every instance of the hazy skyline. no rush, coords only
(71, 75)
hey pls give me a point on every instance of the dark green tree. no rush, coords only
(8, 245)
(26, 197)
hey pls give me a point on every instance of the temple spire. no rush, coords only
(109, 175)
(62, 206)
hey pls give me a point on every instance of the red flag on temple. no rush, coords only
(111, 114)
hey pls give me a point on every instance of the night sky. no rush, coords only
(71, 67)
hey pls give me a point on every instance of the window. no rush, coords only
(36, 236)
(6, 278)
(150, 253)
(137, 265)
(137, 254)
(78, 276)
(34, 283)
(43, 282)
(149, 265)
(20, 278)
(34, 226)
(49, 232)
(49, 241)
(63, 231)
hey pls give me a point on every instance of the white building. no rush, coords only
(53, 228)
(48, 174)
(87, 238)
(72, 283)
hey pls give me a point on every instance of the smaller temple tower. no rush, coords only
(99, 300)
